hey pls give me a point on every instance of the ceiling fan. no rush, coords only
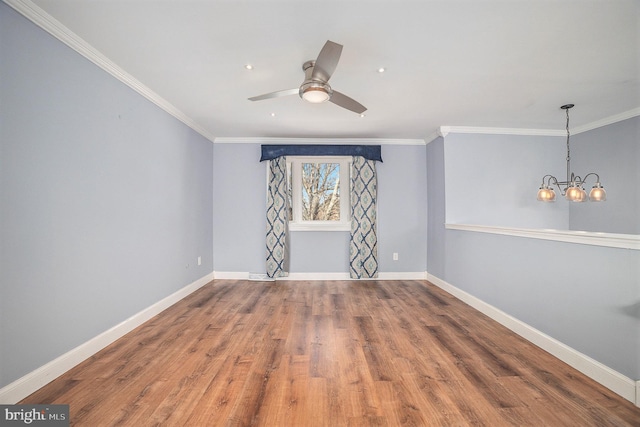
(315, 87)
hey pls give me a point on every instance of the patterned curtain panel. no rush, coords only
(277, 219)
(363, 247)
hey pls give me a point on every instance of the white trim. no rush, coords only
(611, 240)
(402, 275)
(441, 131)
(638, 393)
(613, 380)
(445, 130)
(233, 275)
(315, 276)
(294, 171)
(54, 27)
(432, 137)
(260, 277)
(24, 386)
(329, 141)
(319, 226)
(607, 121)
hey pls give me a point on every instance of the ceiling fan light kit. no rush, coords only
(315, 87)
(573, 188)
(315, 92)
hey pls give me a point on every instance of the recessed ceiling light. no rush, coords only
(249, 67)
(273, 114)
(382, 70)
(362, 115)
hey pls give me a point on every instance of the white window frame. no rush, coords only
(294, 170)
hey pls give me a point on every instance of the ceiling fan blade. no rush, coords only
(345, 102)
(277, 94)
(327, 61)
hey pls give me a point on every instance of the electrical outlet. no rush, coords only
(199, 260)
(395, 256)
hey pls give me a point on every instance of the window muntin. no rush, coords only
(318, 189)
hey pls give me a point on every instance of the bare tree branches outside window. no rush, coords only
(321, 191)
(314, 193)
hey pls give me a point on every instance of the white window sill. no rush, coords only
(319, 226)
(611, 240)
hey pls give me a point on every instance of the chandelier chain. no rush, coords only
(568, 147)
(572, 188)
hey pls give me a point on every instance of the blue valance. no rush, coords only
(369, 152)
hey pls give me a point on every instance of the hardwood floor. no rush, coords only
(335, 353)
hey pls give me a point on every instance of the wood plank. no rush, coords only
(338, 353)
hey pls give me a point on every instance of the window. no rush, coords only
(319, 193)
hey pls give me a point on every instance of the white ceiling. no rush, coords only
(480, 63)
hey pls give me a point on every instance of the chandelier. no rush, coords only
(573, 188)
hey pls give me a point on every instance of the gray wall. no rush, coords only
(613, 152)
(105, 200)
(240, 215)
(240, 196)
(436, 214)
(587, 297)
(402, 207)
(592, 306)
(494, 179)
(104, 197)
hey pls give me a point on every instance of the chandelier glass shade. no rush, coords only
(573, 188)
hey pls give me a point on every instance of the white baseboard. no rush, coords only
(239, 275)
(231, 275)
(403, 275)
(613, 380)
(23, 387)
(315, 276)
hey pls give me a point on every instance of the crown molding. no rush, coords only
(330, 141)
(54, 27)
(433, 136)
(607, 121)
(445, 130)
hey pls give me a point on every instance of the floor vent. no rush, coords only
(260, 277)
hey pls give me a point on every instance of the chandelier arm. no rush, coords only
(592, 173)
(559, 185)
(548, 180)
(552, 180)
